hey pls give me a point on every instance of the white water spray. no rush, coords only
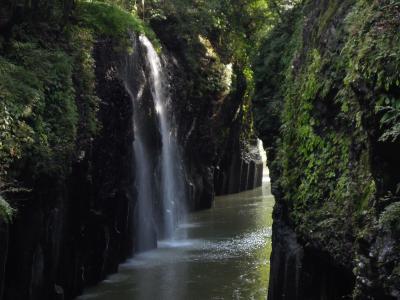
(172, 184)
(143, 179)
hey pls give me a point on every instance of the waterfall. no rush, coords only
(159, 173)
(143, 170)
(170, 163)
(145, 227)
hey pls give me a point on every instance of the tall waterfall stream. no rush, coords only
(172, 186)
(165, 172)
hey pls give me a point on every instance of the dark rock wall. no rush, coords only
(219, 157)
(134, 72)
(240, 170)
(3, 253)
(299, 271)
(73, 232)
(192, 121)
(319, 112)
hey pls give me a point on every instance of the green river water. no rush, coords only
(221, 253)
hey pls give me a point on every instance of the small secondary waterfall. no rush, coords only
(172, 190)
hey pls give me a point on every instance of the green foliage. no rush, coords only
(18, 93)
(47, 89)
(315, 160)
(110, 20)
(390, 218)
(6, 211)
(55, 12)
(233, 27)
(270, 68)
(83, 76)
(48, 102)
(327, 16)
(39, 111)
(374, 48)
(391, 121)
(128, 5)
(312, 105)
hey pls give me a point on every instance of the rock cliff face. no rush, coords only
(73, 228)
(240, 169)
(327, 94)
(3, 253)
(221, 156)
(71, 233)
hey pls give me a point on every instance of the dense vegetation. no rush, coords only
(323, 77)
(47, 87)
(327, 106)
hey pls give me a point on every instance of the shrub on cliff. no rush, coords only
(110, 20)
(6, 211)
(48, 103)
(39, 110)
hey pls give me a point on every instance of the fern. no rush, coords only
(391, 122)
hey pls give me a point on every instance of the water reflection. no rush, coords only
(225, 255)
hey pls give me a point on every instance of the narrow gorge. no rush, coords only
(135, 138)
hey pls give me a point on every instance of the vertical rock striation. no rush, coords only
(73, 232)
(327, 92)
(78, 220)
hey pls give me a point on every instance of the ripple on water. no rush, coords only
(244, 244)
(173, 251)
(223, 254)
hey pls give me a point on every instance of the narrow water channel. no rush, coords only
(223, 255)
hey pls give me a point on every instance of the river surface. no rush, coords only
(222, 253)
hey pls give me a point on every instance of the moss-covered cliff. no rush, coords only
(64, 113)
(48, 86)
(67, 186)
(327, 107)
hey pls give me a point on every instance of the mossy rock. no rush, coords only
(390, 218)
(6, 211)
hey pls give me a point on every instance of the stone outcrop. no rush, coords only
(240, 170)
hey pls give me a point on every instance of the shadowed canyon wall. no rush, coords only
(69, 173)
(73, 231)
(326, 109)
